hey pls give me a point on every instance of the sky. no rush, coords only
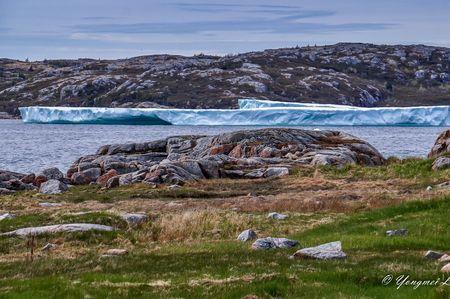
(50, 29)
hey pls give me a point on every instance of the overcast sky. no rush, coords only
(39, 29)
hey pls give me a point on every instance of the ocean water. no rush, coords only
(33, 147)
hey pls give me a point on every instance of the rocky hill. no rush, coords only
(355, 74)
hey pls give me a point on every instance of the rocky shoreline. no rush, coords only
(176, 160)
(251, 154)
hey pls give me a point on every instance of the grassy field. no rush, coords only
(188, 250)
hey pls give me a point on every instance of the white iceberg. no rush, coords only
(251, 112)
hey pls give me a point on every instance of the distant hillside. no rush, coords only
(356, 74)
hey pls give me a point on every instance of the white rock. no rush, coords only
(247, 235)
(51, 229)
(277, 216)
(7, 216)
(272, 243)
(326, 251)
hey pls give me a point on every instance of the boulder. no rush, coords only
(103, 179)
(326, 251)
(58, 228)
(276, 172)
(53, 187)
(86, 176)
(134, 218)
(273, 243)
(52, 173)
(446, 268)
(28, 179)
(277, 216)
(247, 235)
(433, 255)
(441, 163)
(397, 232)
(444, 258)
(441, 146)
(7, 216)
(49, 247)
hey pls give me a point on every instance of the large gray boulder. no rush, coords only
(441, 163)
(58, 228)
(53, 187)
(247, 235)
(52, 173)
(326, 251)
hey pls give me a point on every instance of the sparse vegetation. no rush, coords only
(187, 248)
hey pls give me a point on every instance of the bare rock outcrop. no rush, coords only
(441, 146)
(243, 154)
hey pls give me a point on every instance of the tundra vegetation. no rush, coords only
(187, 247)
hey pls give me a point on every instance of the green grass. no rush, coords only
(229, 269)
(412, 169)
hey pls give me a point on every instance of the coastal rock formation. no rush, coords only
(264, 153)
(242, 154)
(441, 146)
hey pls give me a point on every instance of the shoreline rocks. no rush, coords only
(249, 154)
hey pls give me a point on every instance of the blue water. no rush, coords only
(33, 147)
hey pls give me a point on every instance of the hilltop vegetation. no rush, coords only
(356, 74)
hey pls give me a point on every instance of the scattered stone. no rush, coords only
(49, 247)
(277, 216)
(7, 216)
(115, 252)
(53, 187)
(272, 243)
(445, 185)
(134, 218)
(433, 255)
(326, 251)
(446, 268)
(247, 235)
(50, 204)
(51, 229)
(174, 187)
(429, 188)
(397, 232)
(441, 163)
(276, 172)
(444, 258)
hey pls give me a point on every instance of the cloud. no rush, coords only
(252, 18)
(280, 25)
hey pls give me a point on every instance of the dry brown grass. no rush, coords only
(196, 224)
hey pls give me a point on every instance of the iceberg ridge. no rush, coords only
(250, 112)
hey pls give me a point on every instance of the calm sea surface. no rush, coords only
(33, 147)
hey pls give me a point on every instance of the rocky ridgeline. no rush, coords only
(355, 74)
(176, 160)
